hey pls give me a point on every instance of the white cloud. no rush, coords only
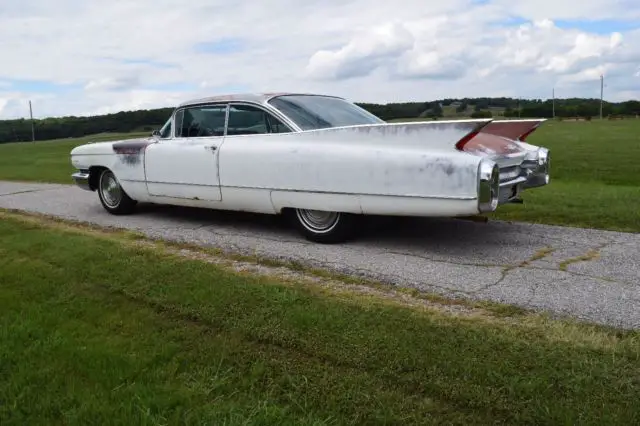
(363, 54)
(545, 47)
(127, 55)
(572, 10)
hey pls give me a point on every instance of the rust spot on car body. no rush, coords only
(134, 146)
(130, 151)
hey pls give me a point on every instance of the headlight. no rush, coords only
(488, 186)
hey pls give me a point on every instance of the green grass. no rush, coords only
(595, 181)
(594, 176)
(47, 161)
(95, 329)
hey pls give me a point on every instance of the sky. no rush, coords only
(86, 57)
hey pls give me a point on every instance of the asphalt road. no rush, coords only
(521, 264)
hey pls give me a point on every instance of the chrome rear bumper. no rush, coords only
(81, 179)
(532, 172)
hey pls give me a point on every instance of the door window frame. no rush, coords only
(227, 105)
(274, 114)
(194, 106)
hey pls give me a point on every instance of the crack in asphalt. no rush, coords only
(448, 262)
(538, 255)
(507, 268)
(589, 255)
(27, 191)
(369, 273)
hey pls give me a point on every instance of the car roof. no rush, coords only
(246, 97)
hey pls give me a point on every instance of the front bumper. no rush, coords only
(81, 179)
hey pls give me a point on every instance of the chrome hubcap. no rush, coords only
(318, 221)
(110, 189)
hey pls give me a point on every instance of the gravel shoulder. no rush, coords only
(589, 274)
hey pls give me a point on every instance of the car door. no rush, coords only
(186, 165)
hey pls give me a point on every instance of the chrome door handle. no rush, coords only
(211, 147)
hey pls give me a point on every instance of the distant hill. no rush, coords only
(147, 120)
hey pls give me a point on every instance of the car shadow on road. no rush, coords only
(448, 234)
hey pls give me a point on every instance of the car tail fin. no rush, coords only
(439, 134)
(462, 142)
(517, 130)
(500, 137)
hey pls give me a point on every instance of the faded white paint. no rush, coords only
(405, 169)
(184, 168)
(379, 168)
(418, 160)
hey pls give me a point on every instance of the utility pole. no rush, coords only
(33, 130)
(601, 93)
(553, 104)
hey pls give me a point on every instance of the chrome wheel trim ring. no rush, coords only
(318, 221)
(110, 189)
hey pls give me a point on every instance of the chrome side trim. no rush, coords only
(81, 179)
(315, 191)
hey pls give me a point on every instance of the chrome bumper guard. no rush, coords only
(81, 179)
(532, 173)
(537, 169)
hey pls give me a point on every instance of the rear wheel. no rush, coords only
(112, 196)
(324, 226)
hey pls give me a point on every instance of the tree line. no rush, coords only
(146, 120)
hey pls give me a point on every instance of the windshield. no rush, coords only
(311, 112)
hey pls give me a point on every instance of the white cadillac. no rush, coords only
(320, 160)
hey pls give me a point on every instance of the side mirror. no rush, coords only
(156, 133)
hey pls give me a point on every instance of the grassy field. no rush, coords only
(47, 161)
(594, 181)
(107, 328)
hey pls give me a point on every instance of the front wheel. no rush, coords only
(112, 196)
(323, 226)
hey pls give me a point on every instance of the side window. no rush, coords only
(250, 120)
(201, 121)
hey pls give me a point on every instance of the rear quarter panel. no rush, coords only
(354, 161)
